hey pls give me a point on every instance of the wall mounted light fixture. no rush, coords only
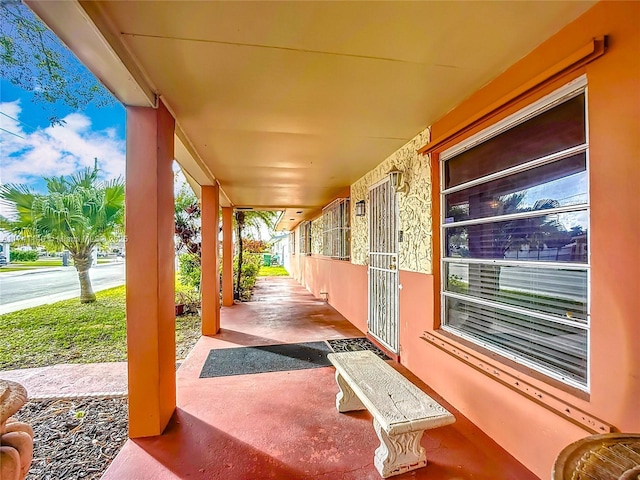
(396, 178)
(361, 209)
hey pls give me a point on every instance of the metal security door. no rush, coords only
(383, 265)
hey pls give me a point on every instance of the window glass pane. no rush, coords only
(559, 237)
(559, 348)
(558, 184)
(558, 292)
(555, 130)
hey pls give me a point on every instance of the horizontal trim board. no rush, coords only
(583, 56)
(556, 405)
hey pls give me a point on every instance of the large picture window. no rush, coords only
(515, 224)
(336, 235)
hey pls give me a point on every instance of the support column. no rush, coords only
(210, 286)
(150, 252)
(227, 256)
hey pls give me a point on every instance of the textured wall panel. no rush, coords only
(414, 206)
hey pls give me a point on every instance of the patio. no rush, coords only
(285, 424)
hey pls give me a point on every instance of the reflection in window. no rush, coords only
(547, 238)
(515, 226)
(559, 184)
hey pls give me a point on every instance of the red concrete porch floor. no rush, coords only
(284, 425)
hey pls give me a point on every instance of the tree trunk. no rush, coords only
(82, 263)
(239, 225)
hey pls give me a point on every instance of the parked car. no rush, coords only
(3, 260)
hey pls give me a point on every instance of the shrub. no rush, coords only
(250, 267)
(255, 246)
(189, 271)
(23, 256)
(187, 296)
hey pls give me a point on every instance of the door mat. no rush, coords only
(354, 344)
(266, 358)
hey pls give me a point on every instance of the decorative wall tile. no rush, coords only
(414, 207)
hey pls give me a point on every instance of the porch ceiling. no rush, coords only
(287, 103)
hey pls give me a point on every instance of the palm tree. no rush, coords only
(77, 213)
(252, 219)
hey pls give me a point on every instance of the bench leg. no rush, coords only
(398, 453)
(346, 400)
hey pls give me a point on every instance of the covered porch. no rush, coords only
(284, 424)
(307, 107)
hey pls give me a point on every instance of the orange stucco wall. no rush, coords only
(534, 434)
(150, 270)
(345, 283)
(529, 431)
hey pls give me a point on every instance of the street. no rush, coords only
(19, 290)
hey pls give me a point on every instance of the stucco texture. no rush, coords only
(414, 207)
(316, 236)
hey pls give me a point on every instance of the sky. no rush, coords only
(30, 148)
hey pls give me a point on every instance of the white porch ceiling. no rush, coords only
(288, 103)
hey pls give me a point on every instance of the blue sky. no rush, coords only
(30, 148)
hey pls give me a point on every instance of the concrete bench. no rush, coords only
(401, 411)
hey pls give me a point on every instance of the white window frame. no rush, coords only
(568, 91)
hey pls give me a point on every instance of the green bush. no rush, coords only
(255, 246)
(187, 296)
(20, 256)
(189, 271)
(250, 267)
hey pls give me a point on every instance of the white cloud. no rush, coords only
(28, 154)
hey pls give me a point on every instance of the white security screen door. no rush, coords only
(383, 265)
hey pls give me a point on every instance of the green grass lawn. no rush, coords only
(71, 332)
(21, 266)
(275, 271)
(18, 266)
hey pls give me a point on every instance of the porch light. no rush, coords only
(396, 178)
(361, 209)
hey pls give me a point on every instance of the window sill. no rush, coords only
(468, 353)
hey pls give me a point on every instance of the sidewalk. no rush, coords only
(71, 380)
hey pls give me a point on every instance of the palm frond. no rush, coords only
(78, 212)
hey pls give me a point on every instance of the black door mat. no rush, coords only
(354, 344)
(267, 358)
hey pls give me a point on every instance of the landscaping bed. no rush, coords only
(75, 439)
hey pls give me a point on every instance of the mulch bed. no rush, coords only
(188, 332)
(75, 439)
